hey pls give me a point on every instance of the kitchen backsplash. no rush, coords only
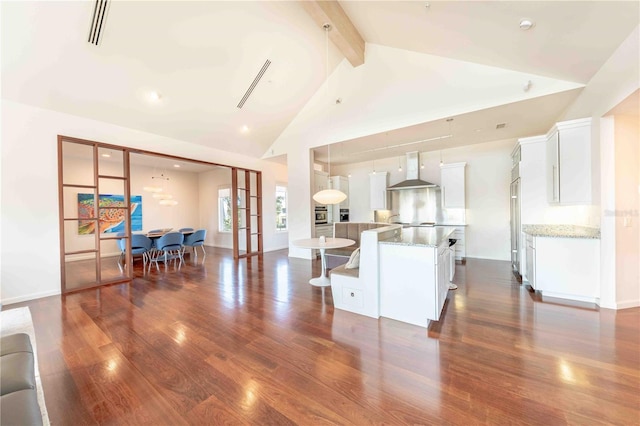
(585, 215)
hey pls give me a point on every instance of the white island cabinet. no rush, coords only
(414, 275)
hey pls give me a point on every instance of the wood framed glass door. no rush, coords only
(94, 203)
(246, 188)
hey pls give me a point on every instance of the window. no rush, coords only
(224, 209)
(281, 208)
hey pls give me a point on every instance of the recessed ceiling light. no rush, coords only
(526, 24)
(106, 155)
(155, 96)
(177, 166)
(245, 129)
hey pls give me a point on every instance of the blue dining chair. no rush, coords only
(140, 245)
(185, 230)
(196, 240)
(168, 247)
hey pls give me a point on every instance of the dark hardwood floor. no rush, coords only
(251, 342)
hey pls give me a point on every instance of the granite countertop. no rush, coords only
(421, 236)
(562, 231)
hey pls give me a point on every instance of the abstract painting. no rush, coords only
(111, 217)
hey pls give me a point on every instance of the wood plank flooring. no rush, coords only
(251, 342)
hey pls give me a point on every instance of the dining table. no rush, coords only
(322, 244)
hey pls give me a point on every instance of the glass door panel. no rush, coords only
(111, 162)
(113, 266)
(77, 164)
(79, 271)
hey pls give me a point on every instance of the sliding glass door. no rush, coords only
(95, 222)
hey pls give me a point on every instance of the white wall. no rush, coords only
(487, 180)
(29, 204)
(627, 171)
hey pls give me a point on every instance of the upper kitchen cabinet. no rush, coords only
(452, 185)
(378, 182)
(341, 183)
(569, 162)
(320, 181)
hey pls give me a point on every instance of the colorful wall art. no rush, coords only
(111, 218)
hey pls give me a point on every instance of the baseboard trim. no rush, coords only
(28, 297)
(626, 304)
(485, 258)
(586, 299)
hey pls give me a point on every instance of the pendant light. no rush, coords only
(154, 187)
(328, 196)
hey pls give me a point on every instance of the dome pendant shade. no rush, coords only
(329, 196)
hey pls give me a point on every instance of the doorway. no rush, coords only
(103, 201)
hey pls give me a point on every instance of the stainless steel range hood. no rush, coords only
(413, 175)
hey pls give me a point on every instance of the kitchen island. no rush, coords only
(414, 271)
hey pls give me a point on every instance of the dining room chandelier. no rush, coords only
(157, 188)
(157, 184)
(328, 196)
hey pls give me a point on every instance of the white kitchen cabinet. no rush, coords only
(340, 183)
(530, 250)
(324, 230)
(569, 162)
(442, 281)
(378, 183)
(565, 268)
(320, 182)
(459, 236)
(533, 188)
(452, 185)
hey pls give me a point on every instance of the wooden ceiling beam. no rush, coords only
(343, 33)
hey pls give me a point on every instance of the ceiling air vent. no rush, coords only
(97, 22)
(254, 83)
(501, 125)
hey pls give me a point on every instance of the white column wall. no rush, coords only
(627, 173)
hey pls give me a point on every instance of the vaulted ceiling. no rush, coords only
(200, 57)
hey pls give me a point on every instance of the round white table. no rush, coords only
(316, 243)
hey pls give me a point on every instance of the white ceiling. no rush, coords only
(201, 56)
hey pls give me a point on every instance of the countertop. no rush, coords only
(561, 231)
(422, 236)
